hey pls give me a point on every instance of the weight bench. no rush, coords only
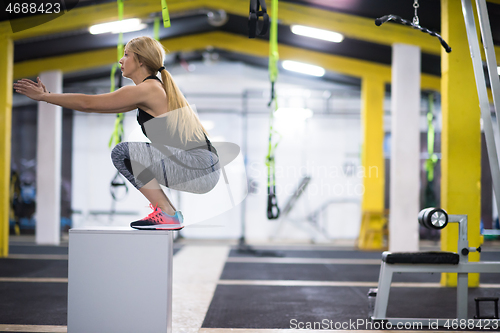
(432, 262)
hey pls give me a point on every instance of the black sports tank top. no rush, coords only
(143, 116)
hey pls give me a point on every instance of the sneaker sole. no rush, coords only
(156, 227)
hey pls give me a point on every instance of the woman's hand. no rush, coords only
(34, 90)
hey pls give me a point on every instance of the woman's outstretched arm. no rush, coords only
(124, 99)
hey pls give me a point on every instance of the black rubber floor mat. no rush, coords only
(433, 302)
(288, 307)
(311, 254)
(31, 303)
(277, 307)
(33, 268)
(316, 272)
(58, 250)
(37, 249)
(490, 256)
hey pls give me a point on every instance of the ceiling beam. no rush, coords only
(351, 26)
(66, 63)
(225, 41)
(84, 17)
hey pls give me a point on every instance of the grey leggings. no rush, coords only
(194, 170)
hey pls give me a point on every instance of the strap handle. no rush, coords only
(118, 181)
(273, 211)
(381, 20)
(253, 19)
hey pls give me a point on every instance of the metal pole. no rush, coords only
(6, 67)
(489, 49)
(462, 278)
(484, 104)
(244, 140)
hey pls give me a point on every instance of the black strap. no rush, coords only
(253, 19)
(272, 94)
(151, 77)
(209, 144)
(117, 181)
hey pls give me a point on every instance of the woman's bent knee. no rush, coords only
(120, 150)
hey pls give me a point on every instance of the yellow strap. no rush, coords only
(117, 135)
(165, 14)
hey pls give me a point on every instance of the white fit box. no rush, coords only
(120, 280)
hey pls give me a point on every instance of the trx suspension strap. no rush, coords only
(156, 29)
(273, 211)
(253, 18)
(117, 135)
(432, 158)
(430, 163)
(165, 14)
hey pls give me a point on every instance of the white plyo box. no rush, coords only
(120, 280)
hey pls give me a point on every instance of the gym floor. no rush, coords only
(218, 289)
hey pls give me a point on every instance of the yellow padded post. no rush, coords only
(371, 236)
(6, 68)
(461, 137)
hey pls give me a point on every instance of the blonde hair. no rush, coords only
(151, 53)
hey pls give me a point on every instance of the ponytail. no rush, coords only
(184, 120)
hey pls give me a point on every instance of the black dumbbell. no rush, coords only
(433, 218)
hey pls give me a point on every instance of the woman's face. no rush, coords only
(129, 63)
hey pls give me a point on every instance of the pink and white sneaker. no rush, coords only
(159, 220)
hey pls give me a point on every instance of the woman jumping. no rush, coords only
(180, 156)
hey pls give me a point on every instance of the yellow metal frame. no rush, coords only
(373, 222)
(84, 17)
(6, 60)
(460, 138)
